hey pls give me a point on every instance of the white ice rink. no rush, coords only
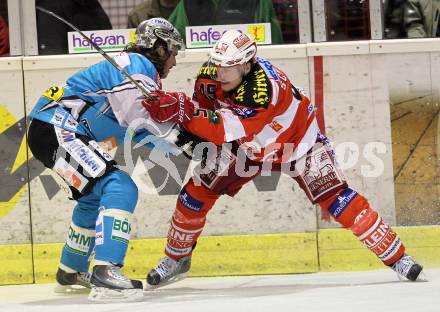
(354, 292)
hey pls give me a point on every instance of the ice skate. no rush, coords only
(110, 285)
(168, 271)
(407, 269)
(72, 282)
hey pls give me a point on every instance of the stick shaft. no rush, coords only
(144, 90)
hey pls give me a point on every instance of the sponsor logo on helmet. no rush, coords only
(241, 41)
(158, 21)
(221, 47)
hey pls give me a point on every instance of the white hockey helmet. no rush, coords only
(152, 29)
(232, 49)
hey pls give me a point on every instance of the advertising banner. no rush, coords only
(108, 40)
(207, 36)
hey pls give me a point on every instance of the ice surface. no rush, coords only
(342, 291)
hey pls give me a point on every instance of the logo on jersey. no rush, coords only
(261, 92)
(71, 124)
(98, 148)
(275, 126)
(310, 109)
(85, 157)
(65, 136)
(268, 67)
(108, 144)
(213, 118)
(190, 202)
(320, 173)
(54, 93)
(244, 112)
(70, 174)
(85, 123)
(58, 117)
(254, 91)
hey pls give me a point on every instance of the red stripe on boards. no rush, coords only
(319, 91)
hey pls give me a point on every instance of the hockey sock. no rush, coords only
(188, 219)
(113, 228)
(378, 236)
(353, 211)
(77, 250)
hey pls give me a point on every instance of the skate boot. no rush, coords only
(407, 269)
(72, 282)
(110, 285)
(168, 271)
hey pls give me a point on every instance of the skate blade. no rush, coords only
(106, 295)
(173, 280)
(70, 289)
(422, 277)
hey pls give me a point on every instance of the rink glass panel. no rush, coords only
(414, 108)
(347, 20)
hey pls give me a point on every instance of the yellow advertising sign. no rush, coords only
(257, 32)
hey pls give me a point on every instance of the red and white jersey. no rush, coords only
(264, 112)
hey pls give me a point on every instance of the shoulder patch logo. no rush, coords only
(276, 126)
(54, 93)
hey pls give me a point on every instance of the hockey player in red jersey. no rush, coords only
(244, 100)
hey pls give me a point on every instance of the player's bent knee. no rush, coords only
(119, 191)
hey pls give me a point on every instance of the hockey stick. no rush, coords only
(144, 91)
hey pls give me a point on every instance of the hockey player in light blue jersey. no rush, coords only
(69, 127)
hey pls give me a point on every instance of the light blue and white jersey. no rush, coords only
(101, 103)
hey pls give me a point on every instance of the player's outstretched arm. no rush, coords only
(169, 106)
